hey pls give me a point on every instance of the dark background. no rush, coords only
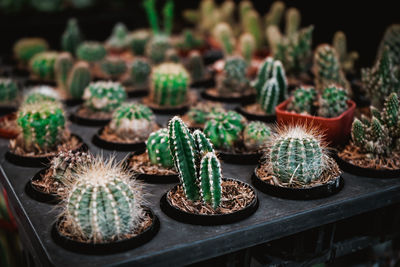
(363, 21)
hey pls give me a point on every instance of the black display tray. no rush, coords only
(256, 117)
(100, 142)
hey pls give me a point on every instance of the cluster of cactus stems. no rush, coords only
(132, 121)
(113, 67)
(72, 37)
(200, 113)
(275, 14)
(62, 67)
(169, 84)
(224, 35)
(63, 165)
(138, 40)
(140, 71)
(247, 45)
(42, 125)
(233, 79)
(8, 91)
(379, 135)
(303, 100)
(104, 96)
(347, 59)
(158, 148)
(41, 93)
(119, 37)
(198, 167)
(255, 135)
(391, 41)
(332, 102)
(42, 65)
(25, 48)
(195, 66)
(91, 51)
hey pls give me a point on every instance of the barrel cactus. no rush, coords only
(42, 65)
(138, 40)
(78, 79)
(332, 102)
(256, 135)
(62, 67)
(41, 93)
(158, 149)
(104, 96)
(64, 165)
(347, 59)
(140, 71)
(169, 84)
(302, 101)
(247, 46)
(157, 47)
(24, 49)
(113, 67)
(233, 79)
(199, 113)
(224, 36)
(8, 91)
(91, 51)
(118, 40)
(195, 66)
(72, 37)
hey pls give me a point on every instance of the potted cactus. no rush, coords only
(24, 49)
(347, 59)
(374, 149)
(41, 66)
(129, 128)
(201, 76)
(41, 93)
(137, 79)
(155, 164)
(112, 67)
(189, 41)
(203, 196)
(72, 37)
(138, 40)
(100, 100)
(296, 166)
(118, 42)
(79, 227)
(197, 115)
(8, 102)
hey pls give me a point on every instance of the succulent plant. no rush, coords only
(227, 11)
(91, 51)
(391, 41)
(138, 40)
(210, 180)
(202, 110)
(132, 120)
(72, 37)
(25, 48)
(269, 96)
(247, 45)
(41, 93)
(65, 163)
(189, 40)
(42, 125)
(195, 66)
(224, 36)
(252, 25)
(113, 67)
(158, 148)
(104, 96)
(62, 67)
(140, 71)
(78, 79)
(233, 79)
(302, 100)
(157, 47)
(8, 91)
(171, 55)
(119, 38)
(224, 129)
(347, 59)
(245, 7)
(255, 135)
(276, 40)
(332, 102)
(42, 65)
(275, 13)
(203, 144)
(293, 21)
(169, 84)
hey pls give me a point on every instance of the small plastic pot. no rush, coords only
(315, 192)
(6, 110)
(8, 134)
(246, 99)
(239, 158)
(37, 194)
(256, 117)
(336, 130)
(213, 219)
(73, 102)
(111, 247)
(138, 91)
(75, 118)
(169, 110)
(100, 142)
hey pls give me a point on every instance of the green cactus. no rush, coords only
(189, 40)
(195, 66)
(119, 38)
(269, 96)
(62, 67)
(210, 180)
(25, 48)
(222, 33)
(8, 91)
(332, 102)
(224, 129)
(42, 65)
(64, 165)
(41, 93)
(42, 125)
(157, 47)
(347, 59)
(171, 55)
(91, 51)
(113, 67)
(72, 37)
(247, 45)
(140, 71)
(209, 15)
(199, 113)
(276, 41)
(158, 149)
(233, 79)
(131, 121)
(245, 7)
(390, 115)
(47, 5)
(169, 84)
(275, 13)
(104, 96)
(293, 21)
(78, 79)
(227, 11)
(138, 40)
(203, 144)
(252, 25)
(256, 135)
(391, 40)
(303, 100)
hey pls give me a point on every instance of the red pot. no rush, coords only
(336, 130)
(8, 134)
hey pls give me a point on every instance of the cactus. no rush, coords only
(158, 149)
(293, 21)
(169, 84)
(275, 40)
(245, 7)
(8, 91)
(327, 69)
(138, 40)
(195, 66)
(189, 40)
(255, 135)
(269, 96)
(171, 55)
(41, 93)
(113, 67)
(78, 79)
(104, 96)
(224, 129)
(47, 5)
(222, 33)
(63, 165)
(62, 67)
(332, 102)
(202, 110)
(381, 80)
(247, 45)
(103, 205)
(25, 48)
(42, 125)
(140, 71)
(391, 40)
(119, 38)
(210, 180)
(390, 115)
(91, 51)
(203, 144)
(227, 11)
(130, 121)
(233, 79)
(302, 100)
(157, 47)
(347, 59)
(42, 65)
(72, 37)
(252, 25)
(275, 13)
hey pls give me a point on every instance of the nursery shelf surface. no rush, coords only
(177, 243)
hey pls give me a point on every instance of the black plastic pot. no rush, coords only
(214, 219)
(368, 172)
(170, 110)
(37, 194)
(107, 248)
(319, 191)
(73, 102)
(247, 99)
(138, 92)
(27, 161)
(100, 142)
(212, 55)
(4, 110)
(32, 82)
(256, 117)
(75, 118)
(207, 82)
(239, 158)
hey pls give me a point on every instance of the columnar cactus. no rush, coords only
(255, 135)
(169, 84)
(202, 110)
(269, 96)
(25, 48)
(391, 40)
(91, 51)
(302, 100)
(347, 59)
(119, 38)
(275, 13)
(210, 180)
(8, 91)
(293, 21)
(233, 79)
(247, 45)
(78, 79)
(332, 102)
(62, 67)
(271, 68)
(158, 148)
(252, 25)
(42, 125)
(104, 96)
(42, 65)
(224, 129)
(140, 71)
(224, 36)
(66, 162)
(203, 144)
(113, 66)
(195, 66)
(41, 93)
(72, 37)
(138, 40)
(131, 121)
(157, 47)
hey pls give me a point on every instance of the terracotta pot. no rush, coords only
(337, 130)
(8, 134)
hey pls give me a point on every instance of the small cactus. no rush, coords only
(252, 25)
(233, 79)
(255, 135)
(275, 13)
(140, 71)
(303, 100)
(65, 163)
(47, 5)
(104, 96)
(113, 67)
(42, 65)
(8, 91)
(62, 67)
(199, 113)
(347, 59)
(78, 79)
(245, 7)
(293, 21)
(158, 148)
(25, 48)
(247, 45)
(271, 68)
(332, 102)
(269, 96)
(227, 11)
(157, 47)
(91, 51)
(203, 144)
(171, 55)
(41, 93)
(169, 84)
(72, 37)
(138, 40)
(189, 40)
(195, 66)
(391, 41)
(210, 180)
(224, 36)
(119, 38)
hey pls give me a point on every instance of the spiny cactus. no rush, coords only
(157, 47)
(25, 48)
(302, 100)
(42, 65)
(233, 79)
(224, 129)
(171, 55)
(91, 51)
(78, 79)
(332, 102)
(195, 66)
(140, 71)
(72, 37)
(327, 69)
(131, 121)
(119, 38)
(391, 40)
(113, 67)
(224, 36)
(275, 40)
(203, 144)
(41, 93)
(247, 45)
(210, 180)
(293, 21)
(158, 148)
(252, 25)
(381, 80)
(103, 204)
(227, 11)
(8, 90)
(138, 40)
(275, 13)
(269, 96)
(202, 110)
(104, 96)
(42, 125)
(169, 84)
(255, 135)
(62, 67)
(347, 59)
(66, 162)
